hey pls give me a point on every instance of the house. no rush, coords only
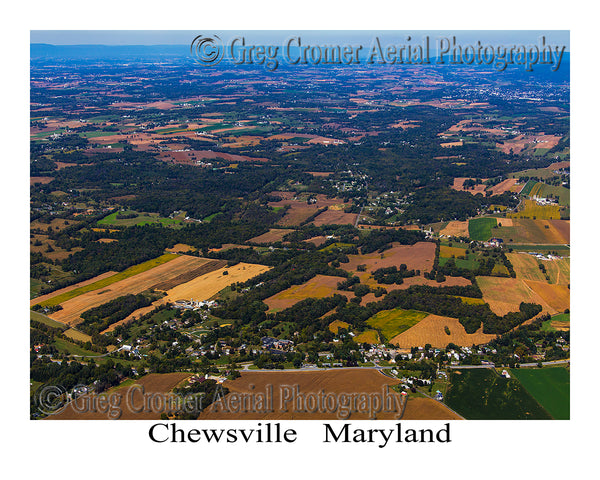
(505, 374)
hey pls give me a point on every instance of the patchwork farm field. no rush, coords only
(549, 386)
(393, 322)
(101, 281)
(529, 231)
(482, 394)
(106, 290)
(368, 336)
(432, 330)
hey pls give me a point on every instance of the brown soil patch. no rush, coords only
(335, 217)
(317, 241)
(504, 186)
(431, 330)
(559, 165)
(335, 382)
(272, 236)
(107, 240)
(154, 383)
(44, 180)
(451, 144)
(422, 408)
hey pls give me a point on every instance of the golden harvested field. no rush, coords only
(422, 408)
(335, 382)
(559, 271)
(44, 180)
(55, 293)
(336, 325)
(73, 308)
(526, 266)
(181, 248)
(431, 330)
(368, 336)
(449, 252)
(505, 294)
(530, 209)
(456, 228)
(320, 286)
(558, 297)
(206, 286)
(153, 383)
(272, 236)
(77, 335)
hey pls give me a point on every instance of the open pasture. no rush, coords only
(528, 231)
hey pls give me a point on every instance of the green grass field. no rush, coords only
(129, 272)
(141, 219)
(549, 386)
(470, 264)
(38, 317)
(481, 228)
(482, 394)
(393, 322)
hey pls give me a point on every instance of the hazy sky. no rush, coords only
(184, 37)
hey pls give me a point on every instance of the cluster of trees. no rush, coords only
(389, 275)
(101, 317)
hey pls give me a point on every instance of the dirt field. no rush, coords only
(431, 330)
(336, 382)
(272, 236)
(137, 283)
(320, 286)
(48, 296)
(421, 408)
(317, 241)
(419, 256)
(44, 180)
(154, 383)
(458, 185)
(456, 228)
(335, 217)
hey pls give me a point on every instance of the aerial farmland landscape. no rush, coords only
(225, 232)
